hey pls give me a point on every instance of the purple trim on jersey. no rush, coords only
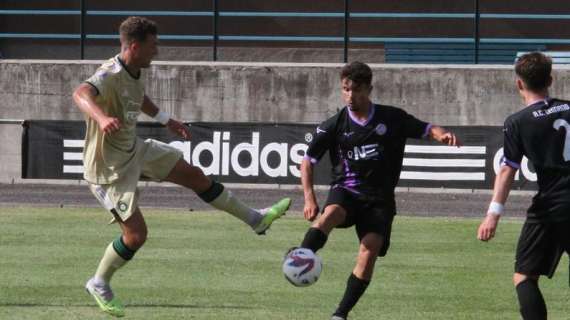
(351, 180)
(346, 188)
(311, 159)
(512, 164)
(426, 131)
(362, 124)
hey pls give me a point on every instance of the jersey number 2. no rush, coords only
(562, 123)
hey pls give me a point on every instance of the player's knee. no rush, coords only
(371, 243)
(196, 179)
(326, 223)
(135, 240)
(139, 240)
(333, 215)
(193, 172)
(189, 176)
(365, 262)
(322, 221)
(370, 253)
(519, 278)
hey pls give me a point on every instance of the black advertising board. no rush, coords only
(269, 153)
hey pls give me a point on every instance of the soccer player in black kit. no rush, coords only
(541, 132)
(366, 144)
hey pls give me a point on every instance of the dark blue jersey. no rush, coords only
(366, 157)
(541, 132)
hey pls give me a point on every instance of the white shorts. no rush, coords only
(154, 161)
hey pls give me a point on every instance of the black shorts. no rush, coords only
(365, 214)
(540, 247)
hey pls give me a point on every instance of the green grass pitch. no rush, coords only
(207, 265)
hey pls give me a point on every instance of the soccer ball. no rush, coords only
(302, 267)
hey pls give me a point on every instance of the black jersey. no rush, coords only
(366, 157)
(541, 132)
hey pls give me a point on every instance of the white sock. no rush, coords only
(110, 263)
(232, 205)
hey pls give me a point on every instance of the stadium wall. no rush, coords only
(261, 92)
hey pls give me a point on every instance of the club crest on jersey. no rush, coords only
(381, 129)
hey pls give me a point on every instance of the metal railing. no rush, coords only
(346, 39)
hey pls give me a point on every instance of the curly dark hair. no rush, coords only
(358, 72)
(137, 29)
(534, 70)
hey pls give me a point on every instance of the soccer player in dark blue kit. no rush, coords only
(541, 132)
(366, 144)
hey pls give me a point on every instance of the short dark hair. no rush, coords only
(358, 72)
(534, 70)
(137, 29)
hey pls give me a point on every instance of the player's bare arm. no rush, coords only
(444, 136)
(84, 97)
(311, 209)
(503, 183)
(177, 127)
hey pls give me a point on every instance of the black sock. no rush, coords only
(354, 289)
(212, 193)
(531, 302)
(314, 239)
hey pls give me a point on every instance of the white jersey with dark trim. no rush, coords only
(541, 132)
(366, 156)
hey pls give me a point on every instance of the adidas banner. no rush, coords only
(271, 154)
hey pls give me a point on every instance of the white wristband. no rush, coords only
(496, 208)
(162, 117)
